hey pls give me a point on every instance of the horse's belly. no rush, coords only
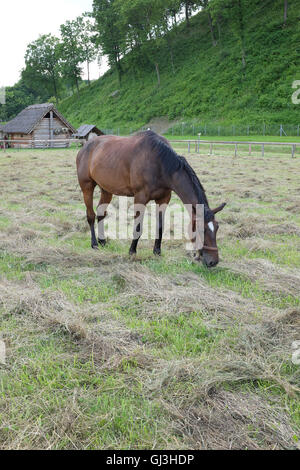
(117, 185)
(118, 192)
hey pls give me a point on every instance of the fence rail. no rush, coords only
(210, 129)
(236, 143)
(38, 143)
(189, 143)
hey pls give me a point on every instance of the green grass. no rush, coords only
(169, 338)
(221, 277)
(285, 256)
(108, 411)
(14, 267)
(107, 352)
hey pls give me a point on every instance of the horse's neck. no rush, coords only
(185, 189)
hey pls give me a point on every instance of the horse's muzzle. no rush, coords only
(209, 256)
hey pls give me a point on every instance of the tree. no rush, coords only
(86, 41)
(233, 10)
(285, 12)
(38, 85)
(18, 97)
(110, 33)
(205, 6)
(173, 9)
(146, 26)
(71, 53)
(189, 7)
(42, 59)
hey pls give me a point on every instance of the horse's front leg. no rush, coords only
(140, 201)
(161, 206)
(105, 200)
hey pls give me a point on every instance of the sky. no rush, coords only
(23, 21)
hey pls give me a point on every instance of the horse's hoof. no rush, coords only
(95, 247)
(102, 242)
(157, 252)
(132, 254)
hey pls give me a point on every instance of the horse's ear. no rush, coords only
(219, 209)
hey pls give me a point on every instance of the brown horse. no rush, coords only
(145, 167)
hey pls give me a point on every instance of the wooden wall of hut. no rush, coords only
(22, 140)
(43, 131)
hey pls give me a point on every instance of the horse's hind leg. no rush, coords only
(101, 214)
(88, 193)
(140, 201)
(161, 206)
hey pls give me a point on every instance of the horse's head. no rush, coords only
(209, 252)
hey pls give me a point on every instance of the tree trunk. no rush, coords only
(88, 71)
(172, 59)
(211, 27)
(157, 73)
(119, 71)
(55, 90)
(285, 12)
(77, 84)
(187, 14)
(219, 28)
(242, 33)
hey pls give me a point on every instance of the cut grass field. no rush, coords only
(104, 352)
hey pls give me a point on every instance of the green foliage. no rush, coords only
(87, 41)
(234, 64)
(17, 97)
(71, 52)
(200, 81)
(110, 35)
(42, 60)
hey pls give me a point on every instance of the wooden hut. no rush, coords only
(88, 132)
(38, 123)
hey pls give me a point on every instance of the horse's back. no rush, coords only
(107, 161)
(119, 165)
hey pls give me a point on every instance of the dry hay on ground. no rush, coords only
(234, 390)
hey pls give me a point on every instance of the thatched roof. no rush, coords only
(27, 120)
(85, 129)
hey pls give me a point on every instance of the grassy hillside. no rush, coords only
(209, 83)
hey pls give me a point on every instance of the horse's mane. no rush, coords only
(173, 162)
